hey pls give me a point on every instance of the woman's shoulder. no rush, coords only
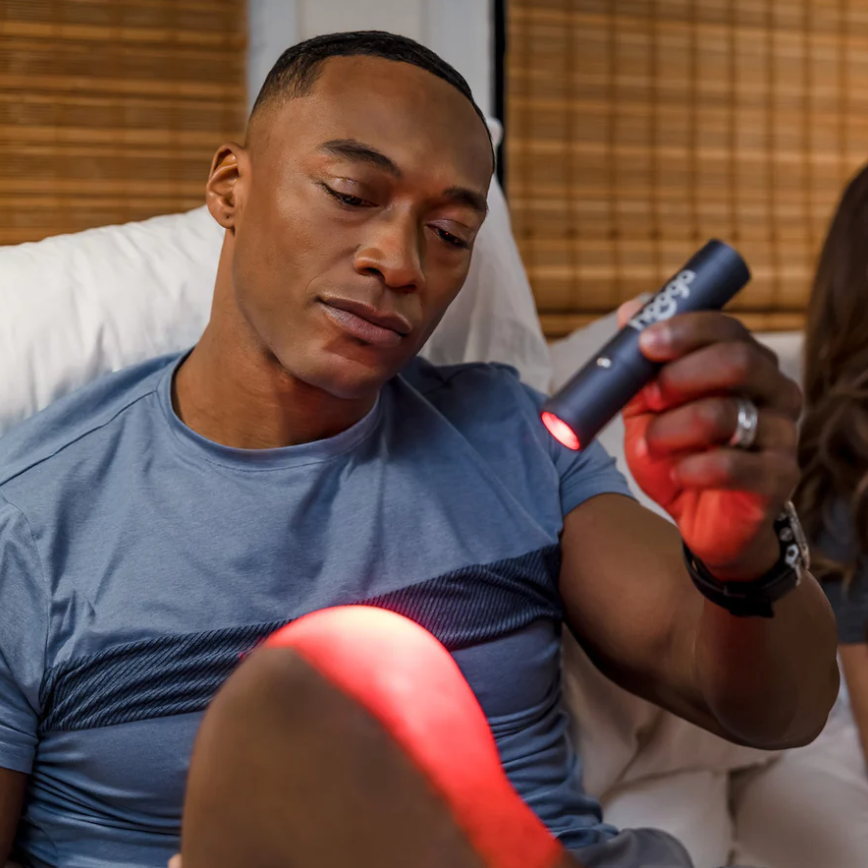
(837, 541)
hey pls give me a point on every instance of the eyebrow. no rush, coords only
(353, 149)
(465, 196)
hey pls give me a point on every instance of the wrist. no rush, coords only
(757, 561)
(749, 587)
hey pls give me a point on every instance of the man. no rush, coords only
(158, 524)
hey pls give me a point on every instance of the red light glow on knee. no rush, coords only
(401, 674)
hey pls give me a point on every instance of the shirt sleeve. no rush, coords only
(23, 631)
(583, 474)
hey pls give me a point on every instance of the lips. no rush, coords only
(373, 326)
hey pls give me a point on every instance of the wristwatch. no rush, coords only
(755, 598)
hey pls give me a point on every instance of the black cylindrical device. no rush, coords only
(599, 391)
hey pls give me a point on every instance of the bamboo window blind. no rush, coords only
(638, 129)
(110, 110)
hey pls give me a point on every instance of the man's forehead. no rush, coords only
(402, 111)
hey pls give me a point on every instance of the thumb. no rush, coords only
(175, 862)
(630, 308)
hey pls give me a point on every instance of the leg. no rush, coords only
(809, 808)
(691, 805)
(291, 769)
(637, 848)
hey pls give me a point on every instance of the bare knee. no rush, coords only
(272, 686)
(287, 769)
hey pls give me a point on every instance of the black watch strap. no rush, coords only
(744, 599)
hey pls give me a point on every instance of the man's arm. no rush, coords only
(12, 786)
(764, 682)
(768, 683)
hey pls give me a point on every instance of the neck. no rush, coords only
(241, 397)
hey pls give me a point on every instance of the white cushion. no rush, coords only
(77, 306)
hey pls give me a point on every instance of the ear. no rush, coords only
(223, 192)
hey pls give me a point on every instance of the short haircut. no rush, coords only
(298, 68)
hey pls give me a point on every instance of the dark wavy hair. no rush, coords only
(833, 450)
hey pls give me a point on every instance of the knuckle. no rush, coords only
(738, 328)
(728, 463)
(741, 359)
(714, 417)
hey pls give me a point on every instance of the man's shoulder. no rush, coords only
(486, 402)
(72, 419)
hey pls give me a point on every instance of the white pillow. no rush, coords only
(75, 307)
(78, 306)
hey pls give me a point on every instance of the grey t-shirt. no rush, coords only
(139, 560)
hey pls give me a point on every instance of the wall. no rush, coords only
(459, 30)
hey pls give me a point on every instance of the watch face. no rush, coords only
(799, 540)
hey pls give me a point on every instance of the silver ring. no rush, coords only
(744, 435)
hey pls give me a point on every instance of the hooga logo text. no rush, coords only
(665, 304)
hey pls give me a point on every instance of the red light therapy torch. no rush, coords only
(600, 390)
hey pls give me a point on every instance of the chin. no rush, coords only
(345, 376)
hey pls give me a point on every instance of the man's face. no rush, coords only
(356, 221)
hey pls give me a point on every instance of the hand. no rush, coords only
(724, 500)
(175, 861)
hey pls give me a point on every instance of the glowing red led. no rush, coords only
(561, 431)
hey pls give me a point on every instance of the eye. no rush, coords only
(346, 199)
(451, 239)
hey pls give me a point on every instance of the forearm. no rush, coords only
(769, 683)
(757, 681)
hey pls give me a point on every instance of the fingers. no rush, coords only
(708, 362)
(711, 422)
(740, 367)
(689, 332)
(695, 438)
(771, 475)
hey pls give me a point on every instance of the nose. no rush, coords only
(392, 251)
